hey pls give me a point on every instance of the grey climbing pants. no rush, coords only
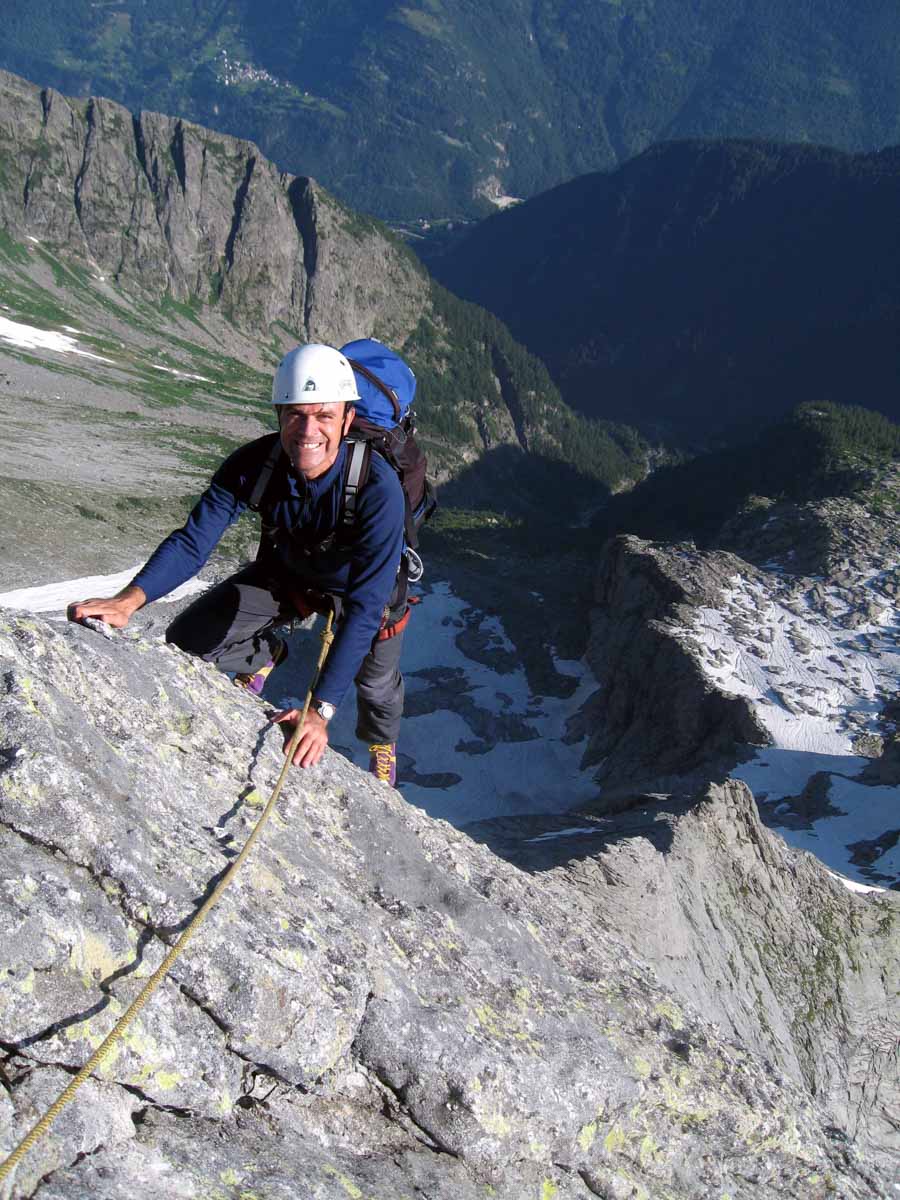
(233, 625)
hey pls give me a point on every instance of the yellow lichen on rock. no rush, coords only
(615, 1141)
(670, 1012)
(347, 1184)
(587, 1135)
(93, 959)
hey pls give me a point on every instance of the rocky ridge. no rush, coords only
(656, 715)
(379, 1007)
(167, 207)
(743, 928)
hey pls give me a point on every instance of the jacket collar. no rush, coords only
(314, 488)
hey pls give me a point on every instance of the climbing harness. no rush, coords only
(42, 1126)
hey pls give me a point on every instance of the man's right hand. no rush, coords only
(114, 610)
(312, 741)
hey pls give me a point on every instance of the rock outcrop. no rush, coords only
(378, 1006)
(656, 713)
(842, 537)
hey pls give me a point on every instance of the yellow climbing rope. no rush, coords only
(37, 1132)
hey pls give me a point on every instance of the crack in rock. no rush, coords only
(111, 887)
(424, 1136)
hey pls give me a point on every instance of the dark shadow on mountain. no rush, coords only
(525, 486)
(703, 285)
(537, 843)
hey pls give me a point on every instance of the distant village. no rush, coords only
(231, 72)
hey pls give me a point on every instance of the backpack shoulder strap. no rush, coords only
(359, 453)
(262, 481)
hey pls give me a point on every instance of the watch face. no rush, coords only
(324, 709)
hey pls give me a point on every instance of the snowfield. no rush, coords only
(817, 668)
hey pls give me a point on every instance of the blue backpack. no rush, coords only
(386, 385)
(385, 422)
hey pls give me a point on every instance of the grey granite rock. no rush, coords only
(760, 938)
(657, 714)
(378, 1007)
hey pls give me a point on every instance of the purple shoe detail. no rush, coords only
(383, 762)
(255, 683)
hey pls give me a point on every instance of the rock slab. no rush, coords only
(378, 1007)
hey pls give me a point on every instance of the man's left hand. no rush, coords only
(313, 737)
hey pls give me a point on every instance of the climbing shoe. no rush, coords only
(257, 681)
(383, 762)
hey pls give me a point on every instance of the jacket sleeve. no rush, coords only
(373, 572)
(186, 550)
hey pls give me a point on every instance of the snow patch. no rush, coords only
(180, 374)
(56, 597)
(29, 338)
(561, 833)
(852, 886)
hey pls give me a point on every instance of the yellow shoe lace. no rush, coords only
(385, 758)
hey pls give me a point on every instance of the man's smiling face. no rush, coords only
(311, 434)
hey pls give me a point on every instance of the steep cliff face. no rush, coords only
(166, 207)
(656, 713)
(378, 1006)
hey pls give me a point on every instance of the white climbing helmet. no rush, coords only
(314, 374)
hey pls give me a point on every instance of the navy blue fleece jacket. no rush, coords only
(300, 513)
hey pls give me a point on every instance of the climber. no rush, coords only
(309, 555)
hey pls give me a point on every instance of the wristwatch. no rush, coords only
(323, 708)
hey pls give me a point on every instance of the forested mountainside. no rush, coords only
(102, 210)
(436, 109)
(704, 285)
